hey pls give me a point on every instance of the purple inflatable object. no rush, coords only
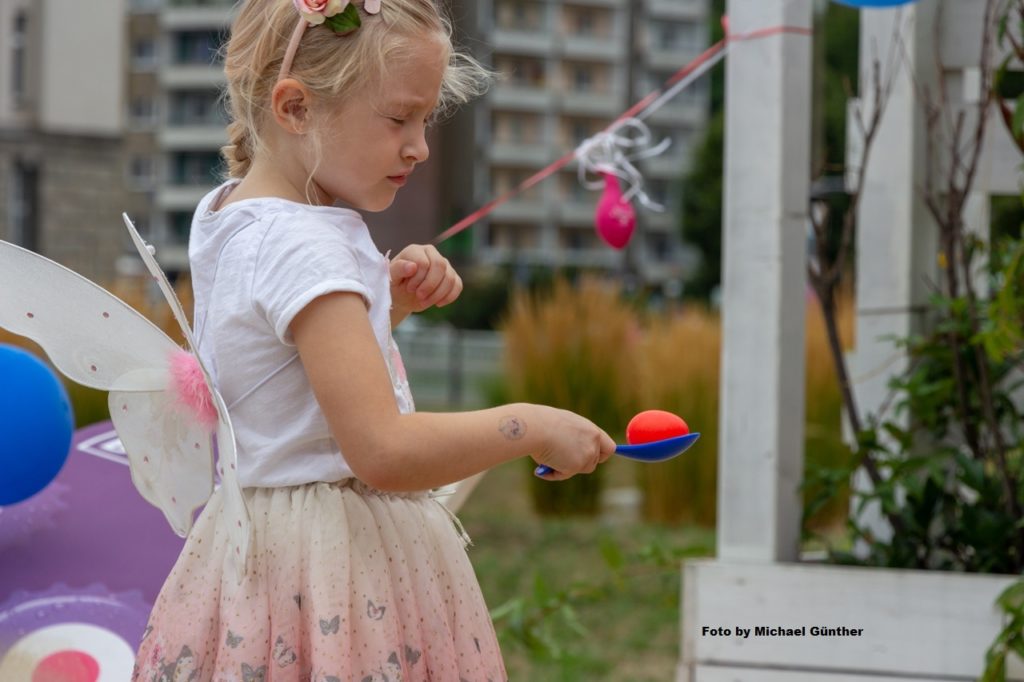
(86, 550)
(124, 614)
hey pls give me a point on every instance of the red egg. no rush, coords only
(653, 425)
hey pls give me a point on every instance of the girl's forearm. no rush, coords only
(423, 450)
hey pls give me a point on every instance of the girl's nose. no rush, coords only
(416, 150)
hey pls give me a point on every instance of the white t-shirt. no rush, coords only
(255, 264)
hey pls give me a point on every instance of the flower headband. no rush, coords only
(341, 16)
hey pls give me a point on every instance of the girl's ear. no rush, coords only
(290, 102)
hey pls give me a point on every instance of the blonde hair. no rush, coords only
(330, 66)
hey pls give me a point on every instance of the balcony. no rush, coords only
(673, 59)
(520, 154)
(521, 210)
(537, 43)
(521, 98)
(680, 112)
(607, 3)
(577, 211)
(181, 197)
(183, 15)
(606, 105)
(175, 137)
(677, 9)
(506, 255)
(655, 221)
(192, 76)
(672, 164)
(594, 48)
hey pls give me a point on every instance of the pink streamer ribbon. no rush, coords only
(632, 112)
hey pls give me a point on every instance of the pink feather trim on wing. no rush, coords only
(189, 390)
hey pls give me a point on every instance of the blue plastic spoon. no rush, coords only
(655, 451)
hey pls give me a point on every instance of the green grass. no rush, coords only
(622, 578)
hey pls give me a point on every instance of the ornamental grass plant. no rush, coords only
(585, 349)
(678, 370)
(573, 348)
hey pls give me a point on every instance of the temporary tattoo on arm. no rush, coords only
(513, 428)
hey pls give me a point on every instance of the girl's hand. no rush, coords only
(421, 277)
(573, 444)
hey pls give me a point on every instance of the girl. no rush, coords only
(356, 573)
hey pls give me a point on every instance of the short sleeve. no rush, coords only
(299, 262)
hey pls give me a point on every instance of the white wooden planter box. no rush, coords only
(900, 625)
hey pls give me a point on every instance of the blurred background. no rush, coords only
(117, 106)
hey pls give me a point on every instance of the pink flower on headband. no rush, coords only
(317, 11)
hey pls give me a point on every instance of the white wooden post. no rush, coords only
(910, 625)
(767, 169)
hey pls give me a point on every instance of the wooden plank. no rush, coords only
(710, 673)
(924, 623)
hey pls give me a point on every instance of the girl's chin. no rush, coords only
(378, 204)
(365, 207)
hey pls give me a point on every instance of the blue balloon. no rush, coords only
(874, 3)
(36, 425)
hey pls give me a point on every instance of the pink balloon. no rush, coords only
(614, 218)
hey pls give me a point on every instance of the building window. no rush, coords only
(511, 236)
(527, 73)
(142, 112)
(660, 245)
(581, 130)
(142, 172)
(144, 54)
(518, 15)
(19, 65)
(197, 47)
(23, 205)
(509, 179)
(197, 107)
(193, 169)
(575, 239)
(584, 22)
(677, 36)
(573, 190)
(582, 78)
(658, 190)
(515, 128)
(179, 225)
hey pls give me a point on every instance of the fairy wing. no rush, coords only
(91, 336)
(98, 340)
(235, 508)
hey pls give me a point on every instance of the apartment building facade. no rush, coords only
(137, 126)
(176, 119)
(568, 69)
(61, 119)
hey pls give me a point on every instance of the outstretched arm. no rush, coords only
(393, 451)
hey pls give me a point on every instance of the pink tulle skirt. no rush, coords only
(346, 584)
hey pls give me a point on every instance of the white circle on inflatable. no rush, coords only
(68, 652)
